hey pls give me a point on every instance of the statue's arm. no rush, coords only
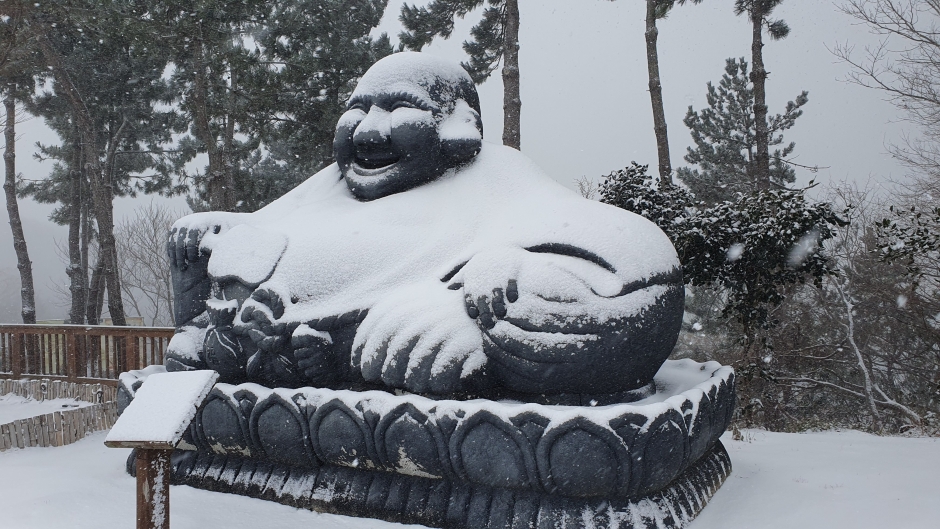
(563, 319)
(189, 260)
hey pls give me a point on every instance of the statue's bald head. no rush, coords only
(412, 117)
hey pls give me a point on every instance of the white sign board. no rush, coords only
(162, 409)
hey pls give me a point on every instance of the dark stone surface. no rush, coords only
(440, 503)
(622, 450)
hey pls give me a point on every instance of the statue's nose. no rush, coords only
(374, 130)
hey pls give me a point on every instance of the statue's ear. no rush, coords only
(461, 133)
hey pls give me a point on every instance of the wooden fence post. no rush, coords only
(132, 360)
(153, 489)
(17, 357)
(71, 355)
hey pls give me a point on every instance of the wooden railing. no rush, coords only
(79, 353)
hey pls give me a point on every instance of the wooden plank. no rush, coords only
(43, 427)
(17, 434)
(67, 431)
(32, 426)
(133, 355)
(71, 356)
(162, 409)
(112, 383)
(27, 432)
(17, 358)
(79, 351)
(87, 329)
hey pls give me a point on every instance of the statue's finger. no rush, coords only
(446, 369)
(306, 341)
(180, 249)
(486, 316)
(396, 362)
(277, 306)
(256, 336)
(499, 305)
(471, 307)
(512, 291)
(260, 295)
(269, 344)
(192, 246)
(261, 317)
(420, 365)
(310, 358)
(171, 248)
(373, 359)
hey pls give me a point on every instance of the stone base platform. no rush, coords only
(440, 503)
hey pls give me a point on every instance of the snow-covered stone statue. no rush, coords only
(516, 331)
(428, 261)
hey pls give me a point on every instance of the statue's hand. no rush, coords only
(538, 292)
(569, 324)
(189, 261)
(273, 362)
(315, 355)
(548, 316)
(420, 339)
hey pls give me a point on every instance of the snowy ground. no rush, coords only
(14, 407)
(820, 480)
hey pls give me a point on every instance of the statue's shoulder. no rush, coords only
(326, 183)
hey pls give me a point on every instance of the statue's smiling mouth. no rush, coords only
(374, 163)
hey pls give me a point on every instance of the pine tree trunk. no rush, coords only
(512, 103)
(221, 192)
(656, 95)
(759, 79)
(228, 145)
(86, 243)
(95, 298)
(104, 216)
(19, 239)
(75, 270)
(102, 192)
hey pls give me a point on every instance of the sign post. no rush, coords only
(154, 423)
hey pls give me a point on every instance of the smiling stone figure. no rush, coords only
(407, 122)
(428, 261)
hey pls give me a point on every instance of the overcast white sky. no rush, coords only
(585, 105)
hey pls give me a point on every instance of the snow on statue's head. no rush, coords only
(411, 118)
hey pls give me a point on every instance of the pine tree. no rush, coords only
(263, 85)
(17, 63)
(317, 50)
(495, 38)
(759, 12)
(215, 73)
(658, 10)
(726, 140)
(102, 86)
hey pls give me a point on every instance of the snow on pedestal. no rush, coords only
(161, 411)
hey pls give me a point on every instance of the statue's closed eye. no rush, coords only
(403, 104)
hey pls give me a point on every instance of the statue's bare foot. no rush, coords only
(420, 339)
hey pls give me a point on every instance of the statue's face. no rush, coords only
(389, 140)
